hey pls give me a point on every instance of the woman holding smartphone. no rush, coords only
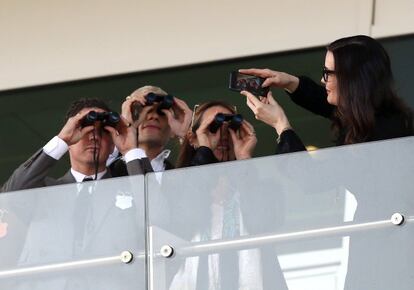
(358, 94)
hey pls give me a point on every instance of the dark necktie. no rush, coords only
(82, 215)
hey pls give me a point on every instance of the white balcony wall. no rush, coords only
(393, 18)
(49, 41)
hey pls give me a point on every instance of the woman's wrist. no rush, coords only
(204, 142)
(292, 84)
(243, 156)
(282, 126)
(281, 129)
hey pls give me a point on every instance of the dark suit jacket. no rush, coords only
(52, 225)
(33, 173)
(120, 168)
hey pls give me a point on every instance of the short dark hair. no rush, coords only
(80, 104)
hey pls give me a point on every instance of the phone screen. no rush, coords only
(242, 82)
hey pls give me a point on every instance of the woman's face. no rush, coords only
(331, 82)
(221, 140)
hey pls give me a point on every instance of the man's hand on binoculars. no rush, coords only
(179, 118)
(72, 131)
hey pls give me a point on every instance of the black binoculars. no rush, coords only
(107, 118)
(165, 102)
(234, 121)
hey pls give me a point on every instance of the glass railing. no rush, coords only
(76, 236)
(338, 218)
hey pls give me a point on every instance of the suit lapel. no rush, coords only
(107, 174)
(67, 178)
(168, 164)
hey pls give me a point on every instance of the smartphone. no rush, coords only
(242, 82)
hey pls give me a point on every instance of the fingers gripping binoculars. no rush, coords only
(106, 118)
(234, 121)
(165, 102)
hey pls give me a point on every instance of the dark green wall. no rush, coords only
(30, 117)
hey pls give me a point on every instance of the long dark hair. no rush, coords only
(187, 151)
(365, 88)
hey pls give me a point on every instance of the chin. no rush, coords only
(223, 156)
(332, 101)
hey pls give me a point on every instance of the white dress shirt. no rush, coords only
(56, 148)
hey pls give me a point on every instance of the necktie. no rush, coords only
(82, 215)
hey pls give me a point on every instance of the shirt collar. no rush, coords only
(79, 177)
(158, 163)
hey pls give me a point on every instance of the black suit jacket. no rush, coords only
(120, 168)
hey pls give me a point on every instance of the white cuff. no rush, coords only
(56, 148)
(136, 153)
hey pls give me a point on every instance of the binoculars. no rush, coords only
(165, 102)
(234, 121)
(107, 118)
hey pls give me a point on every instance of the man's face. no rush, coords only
(82, 152)
(154, 129)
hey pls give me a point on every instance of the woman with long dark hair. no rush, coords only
(358, 94)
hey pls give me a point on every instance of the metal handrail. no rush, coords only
(125, 257)
(260, 240)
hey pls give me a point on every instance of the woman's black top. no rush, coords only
(288, 142)
(313, 97)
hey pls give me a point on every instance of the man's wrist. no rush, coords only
(63, 138)
(56, 148)
(135, 153)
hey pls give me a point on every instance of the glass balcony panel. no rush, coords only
(72, 236)
(319, 220)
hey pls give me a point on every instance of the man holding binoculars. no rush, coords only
(89, 135)
(157, 117)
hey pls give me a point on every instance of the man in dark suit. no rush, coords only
(88, 146)
(155, 129)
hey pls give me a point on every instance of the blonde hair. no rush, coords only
(150, 89)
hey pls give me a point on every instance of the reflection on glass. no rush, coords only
(298, 221)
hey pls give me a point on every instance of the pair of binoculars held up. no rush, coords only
(234, 121)
(164, 102)
(106, 118)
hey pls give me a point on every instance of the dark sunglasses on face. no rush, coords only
(326, 72)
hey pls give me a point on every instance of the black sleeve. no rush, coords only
(134, 167)
(289, 142)
(312, 97)
(203, 155)
(118, 168)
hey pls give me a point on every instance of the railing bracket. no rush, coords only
(397, 219)
(167, 251)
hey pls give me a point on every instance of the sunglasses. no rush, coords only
(326, 72)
